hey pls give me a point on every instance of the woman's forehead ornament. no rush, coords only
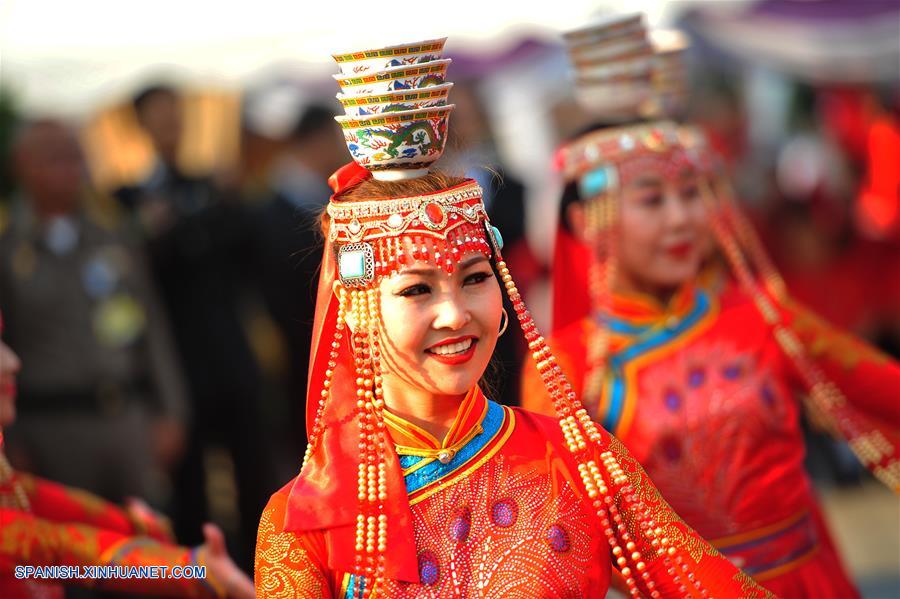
(380, 237)
(615, 147)
(356, 264)
(432, 214)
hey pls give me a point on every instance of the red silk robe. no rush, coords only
(505, 517)
(706, 401)
(70, 527)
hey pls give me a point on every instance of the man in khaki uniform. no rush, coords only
(101, 398)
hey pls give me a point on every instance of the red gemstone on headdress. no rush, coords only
(435, 213)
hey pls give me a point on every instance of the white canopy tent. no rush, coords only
(68, 57)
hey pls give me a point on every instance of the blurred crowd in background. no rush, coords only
(158, 260)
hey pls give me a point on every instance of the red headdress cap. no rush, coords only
(349, 175)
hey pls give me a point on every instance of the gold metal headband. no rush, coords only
(431, 215)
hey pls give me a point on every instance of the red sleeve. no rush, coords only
(59, 503)
(851, 388)
(28, 540)
(868, 378)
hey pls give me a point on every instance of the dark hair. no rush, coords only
(314, 119)
(373, 189)
(140, 99)
(570, 196)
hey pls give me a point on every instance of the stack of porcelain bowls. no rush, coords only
(395, 100)
(613, 61)
(670, 73)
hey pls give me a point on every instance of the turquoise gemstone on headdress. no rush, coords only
(593, 183)
(497, 237)
(352, 265)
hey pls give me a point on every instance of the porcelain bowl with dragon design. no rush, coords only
(397, 141)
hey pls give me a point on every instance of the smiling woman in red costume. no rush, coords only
(701, 376)
(415, 483)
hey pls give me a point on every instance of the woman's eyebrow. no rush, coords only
(422, 272)
(472, 261)
(646, 181)
(431, 270)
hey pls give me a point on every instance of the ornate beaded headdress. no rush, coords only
(351, 486)
(377, 238)
(600, 162)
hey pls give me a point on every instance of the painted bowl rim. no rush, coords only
(347, 57)
(347, 121)
(397, 92)
(339, 77)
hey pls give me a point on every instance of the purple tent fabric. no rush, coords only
(826, 11)
(825, 41)
(472, 65)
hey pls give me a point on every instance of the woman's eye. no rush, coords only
(413, 290)
(476, 277)
(691, 192)
(651, 200)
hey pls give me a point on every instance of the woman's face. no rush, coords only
(662, 231)
(9, 367)
(439, 330)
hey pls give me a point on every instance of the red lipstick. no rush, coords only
(680, 250)
(456, 358)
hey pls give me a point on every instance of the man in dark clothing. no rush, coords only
(289, 246)
(197, 241)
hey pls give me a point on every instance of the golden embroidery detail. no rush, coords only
(825, 342)
(666, 518)
(283, 567)
(501, 533)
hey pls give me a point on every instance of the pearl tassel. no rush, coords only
(600, 215)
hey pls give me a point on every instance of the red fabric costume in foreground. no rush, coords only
(705, 399)
(60, 526)
(505, 517)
